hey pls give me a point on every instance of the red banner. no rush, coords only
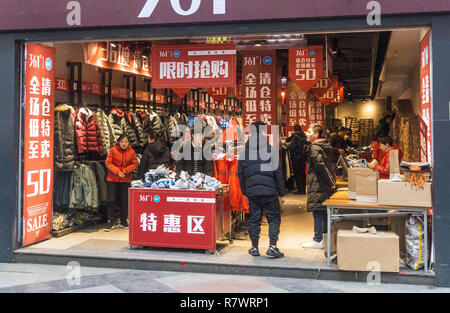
(259, 73)
(328, 96)
(219, 94)
(118, 56)
(423, 131)
(38, 142)
(339, 96)
(173, 218)
(306, 66)
(181, 92)
(425, 87)
(297, 110)
(194, 66)
(316, 110)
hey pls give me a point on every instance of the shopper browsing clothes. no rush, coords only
(321, 183)
(386, 146)
(155, 154)
(121, 161)
(261, 180)
(296, 145)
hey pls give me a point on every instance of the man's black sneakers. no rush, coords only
(273, 251)
(254, 251)
(124, 225)
(109, 226)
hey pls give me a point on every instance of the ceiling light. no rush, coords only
(258, 45)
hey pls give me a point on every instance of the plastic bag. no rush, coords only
(414, 243)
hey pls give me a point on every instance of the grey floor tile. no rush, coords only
(148, 286)
(47, 287)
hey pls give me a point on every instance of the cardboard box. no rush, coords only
(397, 225)
(351, 181)
(366, 186)
(403, 194)
(335, 227)
(359, 252)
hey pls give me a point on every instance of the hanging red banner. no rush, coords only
(306, 66)
(297, 110)
(189, 66)
(339, 96)
(38, 142)
(219, 94)
(181, 92)
(119, 56)
(316, 110)
(328, 96)
(425, 87)
(259, 73)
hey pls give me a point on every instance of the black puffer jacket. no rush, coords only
(64, 151)
(255, 181)
(321, 176)
(296, 145)
(139, 130)
(115, 119)
(204, 165)
(155, 154)
(128, 129)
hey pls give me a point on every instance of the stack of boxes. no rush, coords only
(366, 132)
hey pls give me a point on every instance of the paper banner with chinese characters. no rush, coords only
(259, 74)
(339, 96)
(219, 94)
(297, 110)
(194, 66)
(316, 110)
(425, 87)
(38, 142)
(330, 94)
(306, 66)
(118, 56)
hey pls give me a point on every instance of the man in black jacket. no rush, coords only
(155, 154)
(321, 183)
(261, 180)
(296, 145)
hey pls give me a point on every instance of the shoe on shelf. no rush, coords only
(124, 225)
(254, 251)
(109, 226)
(275, 252)
(313, 245)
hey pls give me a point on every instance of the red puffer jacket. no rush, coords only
(87, 132)
(120, 161)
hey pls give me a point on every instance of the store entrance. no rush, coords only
(370, 75)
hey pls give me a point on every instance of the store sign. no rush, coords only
(219, 94)
(316, 110)
(330, 94)
(306, 66)
(423, 135)
(194, 66)
(38, 142)
(259, 75)
(425, 87)
(297, 109)
(172, 218)
(119, 56)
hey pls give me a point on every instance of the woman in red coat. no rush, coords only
(121, 161)
(386, 145)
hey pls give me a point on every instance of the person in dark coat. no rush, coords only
(321, 184)
(261, 181)
(192, 158)
(384, 125)
(296, 145)
(155, 154)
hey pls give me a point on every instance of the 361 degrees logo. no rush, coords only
(48, 64)
(176, 53)
(156, 199)
(267, 60)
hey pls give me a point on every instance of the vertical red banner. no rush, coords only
(297, 110)
(38, 142)
(259, 75)
(316, 110)
(306, 66)
(425, 87)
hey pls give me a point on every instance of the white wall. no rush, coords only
(362, 110)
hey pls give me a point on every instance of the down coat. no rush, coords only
(64, 151)
(115, 119)
(105, 130)
(128, 129)
(87, 132)
(139, 130)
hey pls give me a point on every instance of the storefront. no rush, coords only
(248, 25)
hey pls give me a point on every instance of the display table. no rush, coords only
(340, 200)
(190, 219)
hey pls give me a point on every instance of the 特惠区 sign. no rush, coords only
(38, 142)
(306, 66)
(425, 88)
(259, 79)
(194, 66)
(297, 110)
(118, 56)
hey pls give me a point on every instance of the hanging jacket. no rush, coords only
(87, 132)
(236, 195)
(187, 164)
(64, 140)
(120, 161)
(128, 129)
(258, 177)
(139, 130)
(321, 177)
(155, 123)
(144, 119)
(62, 187)
(155, 154)
(105, 129)
(115, 118)
(84, 193)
